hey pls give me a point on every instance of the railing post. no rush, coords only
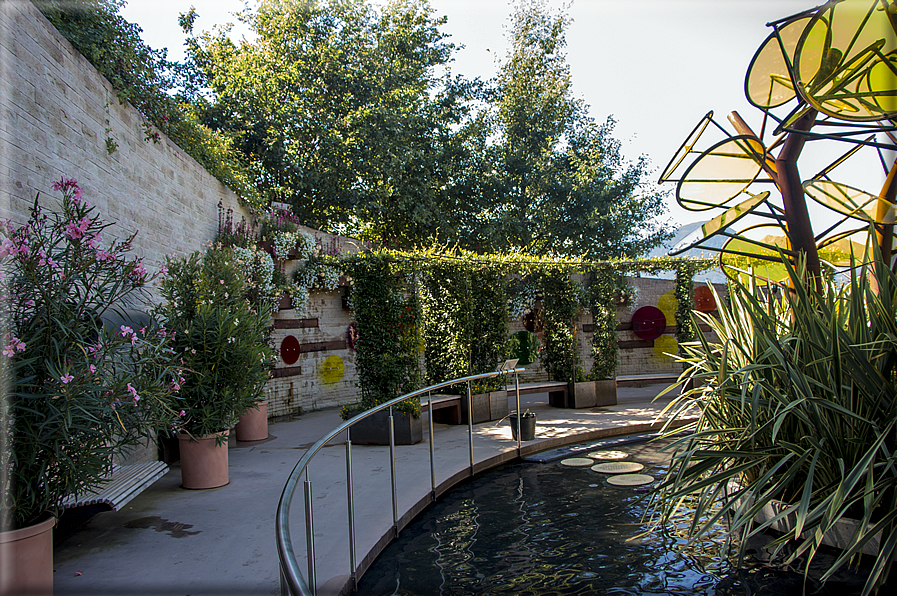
(470, 426)
(392, 473)
(432, 449)
(310, 536)
(350, 490)
(517, 394)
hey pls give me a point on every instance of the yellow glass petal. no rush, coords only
(686, 147)
(743, 255)
(719, 223)
(721, 173)
(851, 202)
(768, 82)
(841, 61)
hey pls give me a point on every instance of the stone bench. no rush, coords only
(446, 408)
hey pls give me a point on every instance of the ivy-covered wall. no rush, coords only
(324, 375)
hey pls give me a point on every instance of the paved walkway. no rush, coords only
(169, 540)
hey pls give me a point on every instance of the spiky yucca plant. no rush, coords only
(797, 404)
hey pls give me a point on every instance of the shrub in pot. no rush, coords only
(221, 339)
(76, 393)
(798, 406)
(388, 346)
(465, 330)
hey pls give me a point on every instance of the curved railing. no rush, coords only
(292, 581)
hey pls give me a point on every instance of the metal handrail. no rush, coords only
(291, 578)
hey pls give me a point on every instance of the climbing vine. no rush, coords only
(388, 347)
(604, 316)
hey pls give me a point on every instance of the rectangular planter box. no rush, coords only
(374, 430)
(585, 394)
(582, 395)
(606, 392)
(485, 406)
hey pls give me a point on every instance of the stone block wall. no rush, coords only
(56, 112)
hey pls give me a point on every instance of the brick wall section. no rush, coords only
(54, 108)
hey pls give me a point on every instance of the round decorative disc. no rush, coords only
(609, 455)
(648, 323)
(620, 467)
(577, 462)
(630, 480)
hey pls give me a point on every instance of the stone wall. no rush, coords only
(56, 112)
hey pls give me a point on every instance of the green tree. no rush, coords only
(338, 112)
(561, 185)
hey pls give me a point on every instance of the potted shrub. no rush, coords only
(797, 419)
(387, 350)
(77, 393)
(221, 338)
(604, 337)
(562, 298)
(465, 330)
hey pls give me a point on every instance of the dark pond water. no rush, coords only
(545, 529)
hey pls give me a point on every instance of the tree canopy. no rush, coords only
(565, 188)
(347, 112)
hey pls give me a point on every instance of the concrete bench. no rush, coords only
(556, 390)
(642, 380)
(125, 483)
(446, 408)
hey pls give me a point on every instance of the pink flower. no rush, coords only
(143, 331)
(105, 255)
(183, 413)
(163, 271)
(92, 368)
(126, 331)
(138, 271)
(65, 186)
(15, 345)
(134, 395)
(7, 247)
(66, 378)
(76, 230)
(94, 239)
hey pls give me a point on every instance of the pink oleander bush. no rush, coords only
(78, 389)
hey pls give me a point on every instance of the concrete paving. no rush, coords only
(169, 540)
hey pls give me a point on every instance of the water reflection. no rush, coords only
(531, 529)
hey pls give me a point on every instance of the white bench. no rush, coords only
(125, 483)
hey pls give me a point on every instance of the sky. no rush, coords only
(655, 66)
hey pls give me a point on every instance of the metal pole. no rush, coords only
(517, 395)
(350, 489)
(470, 426)
(432, 452)
(310, 537)
(392, 473)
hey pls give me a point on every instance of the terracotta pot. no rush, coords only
(203, 463)
(27, 559)
(253, 425)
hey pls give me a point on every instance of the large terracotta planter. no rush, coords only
(253, 425)
(203, 463)
(26, 557)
